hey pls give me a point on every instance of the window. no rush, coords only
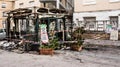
(1, 31)
(44, 4)
(114, 21)
(21, 4)
(3, 5)
(31, 3)
(114, 18)
(90, 22)
(3, 23)
(60, 0)
(114, 0)
(50, 5)
(90, 19)
(88, 2)
(4, 14)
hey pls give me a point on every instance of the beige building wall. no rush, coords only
(62, 4)
(9, 4)
(26, 3)
(98, 5)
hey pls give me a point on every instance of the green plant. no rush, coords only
(79, 30)
(53, 44)
(80, 41)
(78, 35)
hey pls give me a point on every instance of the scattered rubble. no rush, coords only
(7, 45)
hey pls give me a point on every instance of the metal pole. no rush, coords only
(8, 26)
(64, 33)
(57, 4)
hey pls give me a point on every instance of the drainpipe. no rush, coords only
(119, 22)
(57, 4)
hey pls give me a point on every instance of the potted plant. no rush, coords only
(78, 46)
(48, 49)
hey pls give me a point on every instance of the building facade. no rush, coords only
(5, 5)
(60, 4)
(97, 14)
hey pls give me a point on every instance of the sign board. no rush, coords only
(108, 28)
(114, 35)
(43, 33)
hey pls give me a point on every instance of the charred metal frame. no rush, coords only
(34, 13)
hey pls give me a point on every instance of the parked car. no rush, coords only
(2, 34)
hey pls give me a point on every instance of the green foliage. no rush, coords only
(79, 30)
(78, 35)
(80, 42)
(53, 44)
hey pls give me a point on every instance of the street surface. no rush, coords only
(63, 58)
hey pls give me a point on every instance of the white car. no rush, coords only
(2, 34)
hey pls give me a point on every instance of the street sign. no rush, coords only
(43, 33)
(108, 28)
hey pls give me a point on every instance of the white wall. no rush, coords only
(103, 15)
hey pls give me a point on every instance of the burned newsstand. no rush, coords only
(24, 24)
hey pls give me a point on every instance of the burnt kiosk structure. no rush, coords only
(24, 23)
